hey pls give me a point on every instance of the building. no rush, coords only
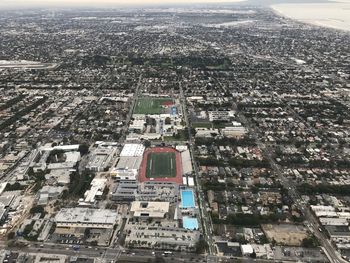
(39, 158)
(137, 125)
(132, 150)
(333, 221)
(95, 192)
(146, 209)
(324, 211)
(234, 132)
(186, 162)
(100, 159)
(206, 133)
(162, 238)
(48, 193)
(126, 191)
(220, 115)
(127, 168)
(247, 250)
(229, 249)
(79, 217)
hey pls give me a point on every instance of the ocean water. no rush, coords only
(332, 14)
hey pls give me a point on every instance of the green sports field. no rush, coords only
(161, 165)
(148, 105)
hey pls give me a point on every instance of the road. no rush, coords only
(131, 110)
(107, 254)
(119, 254)
(207, 225)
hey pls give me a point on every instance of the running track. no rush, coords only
(177, 179)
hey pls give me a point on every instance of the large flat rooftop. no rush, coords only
(79, 215)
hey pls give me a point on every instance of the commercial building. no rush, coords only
(146, 209)
(85, 218)
(162, 238)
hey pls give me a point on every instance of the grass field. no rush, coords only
(147, 105)
(161, 165)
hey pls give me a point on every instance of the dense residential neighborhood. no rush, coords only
(214, 134)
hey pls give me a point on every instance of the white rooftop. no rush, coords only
(150, 209)
(80, 215)
(132, 150)
(247, 249)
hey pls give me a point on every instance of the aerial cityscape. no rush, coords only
(204, 133)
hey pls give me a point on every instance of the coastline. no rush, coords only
(314, 14)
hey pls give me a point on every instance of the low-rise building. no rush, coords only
(145, 209)
(79, 217)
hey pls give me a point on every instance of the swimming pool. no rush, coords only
(187, 199)
(190, 223)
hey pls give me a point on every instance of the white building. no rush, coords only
(132, 150)
(247, 250)
(235, 132)
(100, 159)
(149, 209)
(333, 221)
(96, 190)
(220, 115)
(127, 168)
(79, 217)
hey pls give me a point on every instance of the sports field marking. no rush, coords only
(161, 165)
(150, 105)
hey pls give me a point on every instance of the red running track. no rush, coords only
(177, 179)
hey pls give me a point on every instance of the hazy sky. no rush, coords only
(4, 4)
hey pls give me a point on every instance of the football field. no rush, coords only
(161, 165)
(148, 105)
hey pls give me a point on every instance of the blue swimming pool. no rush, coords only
(173, 110)
(187, 199)
(190, 223)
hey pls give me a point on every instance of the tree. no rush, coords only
(201, 246)
(310, 242)
(27, 229)
(147, 143)
(11, 235)
(83, 149)
(167, 120)
(37, 210)
(14, 187)
(87, 232)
